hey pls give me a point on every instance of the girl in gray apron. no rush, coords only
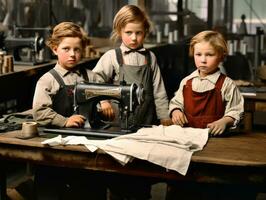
(142, 75)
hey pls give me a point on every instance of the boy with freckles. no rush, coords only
(53, 106)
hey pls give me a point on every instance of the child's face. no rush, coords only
(133, 35)
(69, 52)
(206, 58)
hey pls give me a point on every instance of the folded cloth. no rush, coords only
(13, 121)
(18, 118)
(170, 147)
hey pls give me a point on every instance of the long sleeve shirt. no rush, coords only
(46, 88)
(234, 101)
(108, 64)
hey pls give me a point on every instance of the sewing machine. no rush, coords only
(26, 51)
(87, 97)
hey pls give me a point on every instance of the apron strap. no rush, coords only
(148, 57)
(220, 81)
(57, 77)
(84, 74)
(119, 56)
(60, 80)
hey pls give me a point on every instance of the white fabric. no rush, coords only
(170, 147)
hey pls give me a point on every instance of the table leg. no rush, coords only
(248, 121)
(3, 195)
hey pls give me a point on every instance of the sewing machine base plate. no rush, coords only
(88, 132)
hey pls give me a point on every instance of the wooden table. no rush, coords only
(253, 103)
(239, 159)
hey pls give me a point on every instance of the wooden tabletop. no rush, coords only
(239, 158)
(241, 149)
(257, 96)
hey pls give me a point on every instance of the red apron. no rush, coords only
(202, 108)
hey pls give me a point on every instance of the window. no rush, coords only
(254, 11)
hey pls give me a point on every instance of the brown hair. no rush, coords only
(128, 14)
(215, 39)
(66, 29)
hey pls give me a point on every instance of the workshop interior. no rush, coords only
(24, 57)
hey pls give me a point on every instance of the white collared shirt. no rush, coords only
(108, 63)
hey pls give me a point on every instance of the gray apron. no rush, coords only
(145, 113)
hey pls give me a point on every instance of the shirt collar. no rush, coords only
(64, 72)
(125, 49)
(212, 77)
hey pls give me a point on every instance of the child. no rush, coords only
(53, 106)
(133, 63)
(53, 98)
(207, 98)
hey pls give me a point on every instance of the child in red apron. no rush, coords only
(207, 98)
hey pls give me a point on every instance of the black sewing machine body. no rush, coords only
(87, 97)
(25, 50)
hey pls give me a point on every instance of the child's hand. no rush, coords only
(219, 126)
(166, 122)
(179, 118)
(107, 110)
(75, 121)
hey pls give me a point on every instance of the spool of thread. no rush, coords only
(88, 51)
(2, 54)
(166, 29)
(170, 38)
(8, 65)
(243, 47)
(29, 130)
(5, 65)
(158, 37)
(175, 35)
(235, 45)
(230, 48)
(185, 29)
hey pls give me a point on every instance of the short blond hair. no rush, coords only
(128, 14)
(215, 39)
(67, 29)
